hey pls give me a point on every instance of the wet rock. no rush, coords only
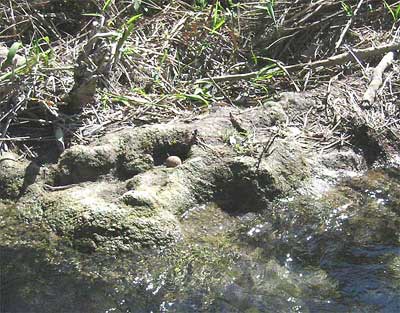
(162, 189)
(240, 299)
(147, 199)
(126, 230)
(90, 217)
(143, 211)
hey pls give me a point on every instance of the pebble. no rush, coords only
(173, 161)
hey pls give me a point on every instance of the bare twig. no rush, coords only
(266, 149)
(57, 188)
(349, 22)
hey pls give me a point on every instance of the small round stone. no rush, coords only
(173, 161)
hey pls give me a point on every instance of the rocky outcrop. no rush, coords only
(118, 194)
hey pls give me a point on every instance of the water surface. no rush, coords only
(338, 252)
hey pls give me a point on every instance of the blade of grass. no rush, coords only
(10, 55)
(106, 5)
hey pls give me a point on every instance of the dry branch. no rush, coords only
(376, 81)
(331, 61)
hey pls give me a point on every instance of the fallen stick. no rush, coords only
(376, 81)
(334, 60)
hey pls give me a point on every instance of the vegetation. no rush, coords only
(74, 69)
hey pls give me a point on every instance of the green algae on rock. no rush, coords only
(12, 175)
(117, 194)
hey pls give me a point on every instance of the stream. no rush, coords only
(336, 252)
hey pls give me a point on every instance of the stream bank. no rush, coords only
(117, 194)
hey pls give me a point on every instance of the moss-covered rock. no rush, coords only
(145, 148)
(12, 175)
(92, 218)
(117, 193)
(81, 163)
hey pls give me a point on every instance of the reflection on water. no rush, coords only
(339, 253)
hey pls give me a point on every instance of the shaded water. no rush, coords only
(336, 253)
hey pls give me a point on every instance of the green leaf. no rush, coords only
(134, 19)
(92, 14)
(218, 25)
(127, 31)
(397, 13)
(394, 13)
(193, 97)
(270, 9)
(106, 5)
(11, 54)
(347, 8)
